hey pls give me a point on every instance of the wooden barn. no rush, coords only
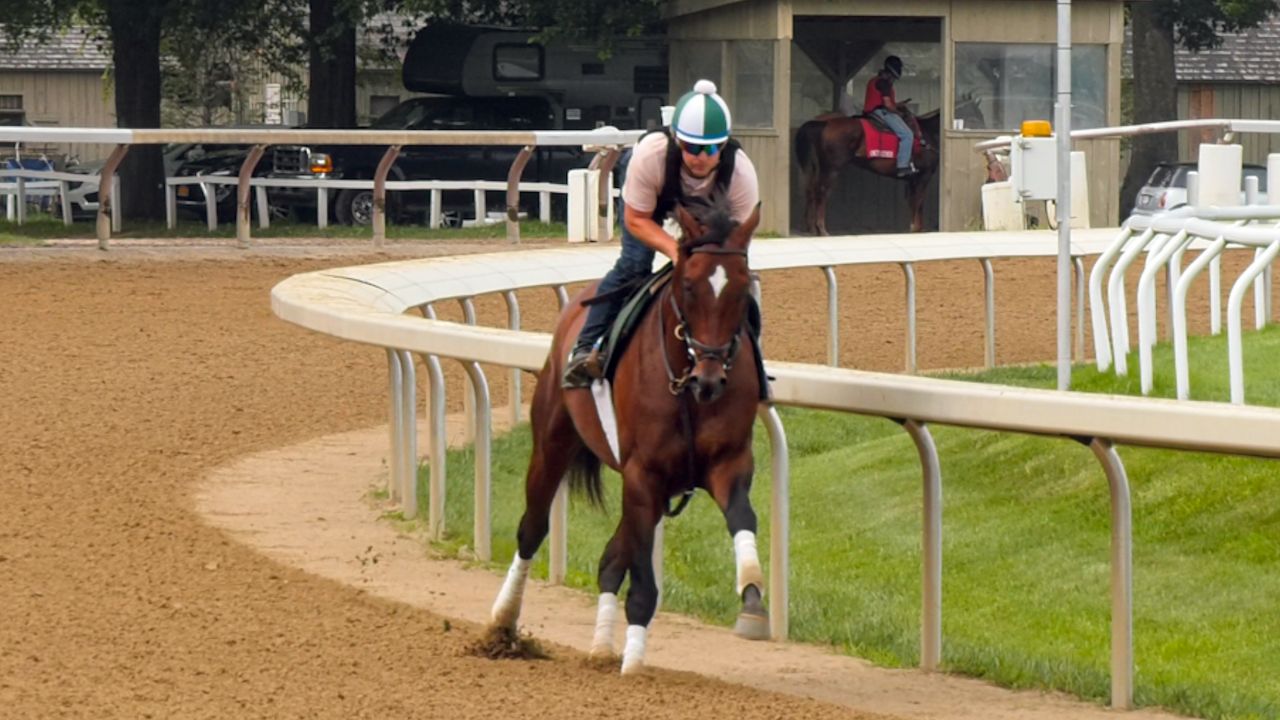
(988, 64)
(61, 82)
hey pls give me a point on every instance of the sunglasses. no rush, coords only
(695, 149)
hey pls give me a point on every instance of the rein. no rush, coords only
(696, 351)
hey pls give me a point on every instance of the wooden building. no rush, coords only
(782, 62)
(61, 82)
(1240, 79)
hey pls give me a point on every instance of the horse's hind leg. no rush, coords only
(555, 444)
(730, 485)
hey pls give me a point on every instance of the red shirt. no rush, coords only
(877, 90)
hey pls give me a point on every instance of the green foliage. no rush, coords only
(1026, 547)
(1198, 24)
(594, 21)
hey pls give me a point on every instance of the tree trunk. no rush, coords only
(331, 98)
(135, 42)
(1155, 96)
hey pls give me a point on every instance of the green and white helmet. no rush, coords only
(701, 116)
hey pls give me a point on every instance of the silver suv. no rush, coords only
(1167, 187)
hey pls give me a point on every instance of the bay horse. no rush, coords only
(826, 144)
(685, 391)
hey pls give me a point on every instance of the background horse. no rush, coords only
(685, 391)
(825, 145)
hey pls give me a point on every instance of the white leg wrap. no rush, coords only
(606, 616)
(506, 609)
(633, 653)
(749, 572)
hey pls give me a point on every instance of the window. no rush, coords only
(517, 62)
(752, 101)
(11, 113)
(650, 79)
(1000, 85)
(380, 105)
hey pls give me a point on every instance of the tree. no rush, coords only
(1157, 26)
(134, 29)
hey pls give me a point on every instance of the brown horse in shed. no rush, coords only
(826, 144)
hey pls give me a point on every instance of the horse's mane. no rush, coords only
(713, 214)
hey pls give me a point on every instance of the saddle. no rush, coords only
(640, 298)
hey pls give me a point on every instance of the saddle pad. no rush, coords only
(879, 143)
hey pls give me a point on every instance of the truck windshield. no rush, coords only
(405, 115)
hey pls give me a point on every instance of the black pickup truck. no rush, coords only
(432, 162)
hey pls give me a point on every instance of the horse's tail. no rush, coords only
(807, 139)
(584, 476)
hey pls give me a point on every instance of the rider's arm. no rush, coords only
(644, 229)
(889, 102)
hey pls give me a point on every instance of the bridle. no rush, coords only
(696, 350)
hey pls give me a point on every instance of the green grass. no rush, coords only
(40, 228)
(1026, 547)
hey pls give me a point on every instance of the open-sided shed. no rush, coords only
(986, 65)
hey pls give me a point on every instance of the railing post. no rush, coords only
(833, 317)
(779, 524)
(243, 219)
(106, 184)
(989, 298)
(513, 193)
(482, 431)
(909, 273)
(931, 547)
(380, 195)
(1121, 574)
(513, 323)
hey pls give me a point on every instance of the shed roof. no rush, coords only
(73, 49)
(1252, 56)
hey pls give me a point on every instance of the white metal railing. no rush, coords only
(368, 303)
(606, 142)
(1165, 238)
(435, 217)
(1227, 127)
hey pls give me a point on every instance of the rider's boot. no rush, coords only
(584, 365)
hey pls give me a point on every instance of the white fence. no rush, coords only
(1165, 238)
(607, 143)
(368, 304)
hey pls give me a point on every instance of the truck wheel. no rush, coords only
(355, 207)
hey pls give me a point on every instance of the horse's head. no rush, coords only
(709, 293)
(969, 110)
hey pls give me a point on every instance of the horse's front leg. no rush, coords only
(641, 511)
(730, 485)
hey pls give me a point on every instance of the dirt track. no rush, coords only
(127, 376)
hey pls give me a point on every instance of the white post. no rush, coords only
(170, 206)
(1063, 201)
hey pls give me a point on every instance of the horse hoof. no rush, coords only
(632, 668)
(603, 653)
(751, 626)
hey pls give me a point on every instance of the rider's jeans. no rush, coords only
(899, 128)
(636, 261)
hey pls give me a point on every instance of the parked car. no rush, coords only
(431, 162)
(1167, 187)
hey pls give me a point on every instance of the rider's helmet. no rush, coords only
(701, 116)
(893, 64)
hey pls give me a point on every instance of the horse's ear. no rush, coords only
(741, 235)
(689, 224)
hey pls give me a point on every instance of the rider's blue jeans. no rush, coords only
(635, 261)
(899, 128)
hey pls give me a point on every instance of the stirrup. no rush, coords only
(583, 367)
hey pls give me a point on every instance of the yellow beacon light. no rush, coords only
(1036, 128)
